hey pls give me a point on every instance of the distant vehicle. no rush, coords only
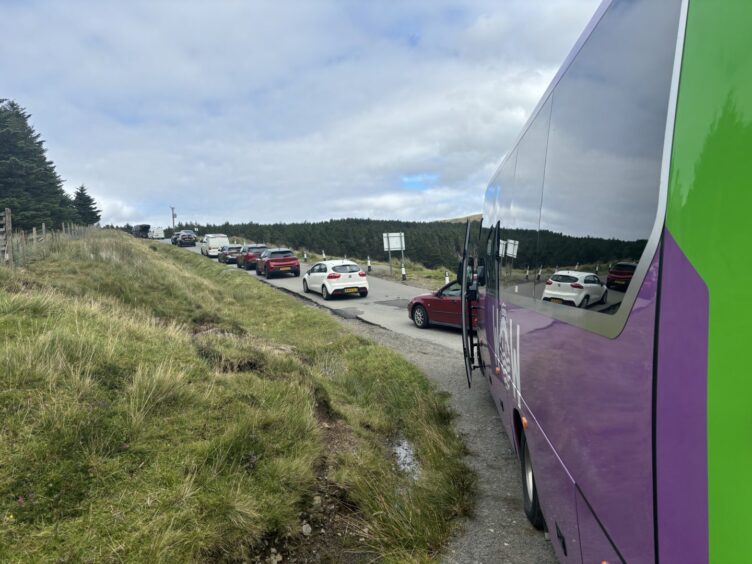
(621, 275)
(141, 231)
(336, 278)
(212, 243)
(156, 233)
(571, 287)
(228, 254)
(443, 307)
(249, 254)
(174, 238)
(277, 261)
(186, 238)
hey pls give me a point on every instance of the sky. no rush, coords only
(282, 111)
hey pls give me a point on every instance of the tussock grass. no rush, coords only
(156, 409)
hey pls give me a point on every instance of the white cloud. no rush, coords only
(271, 111)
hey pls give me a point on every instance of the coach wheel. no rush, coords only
(529, 490)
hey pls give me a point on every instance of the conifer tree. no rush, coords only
(29, 184)
(86, 208)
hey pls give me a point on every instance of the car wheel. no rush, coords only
(420, 316)
(305, 287)
(237, 264)
(296, 273)
(363, 293)
(604, 297)
(585, 302)
(529, 490)
(267, 273)
(325, 293)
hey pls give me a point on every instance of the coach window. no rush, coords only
(605, 147)
(519, 210)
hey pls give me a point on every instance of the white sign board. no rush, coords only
(512, 248)
(394, 241)
(502, 248)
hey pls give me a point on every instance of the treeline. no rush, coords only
(434, 244)
(29, 183)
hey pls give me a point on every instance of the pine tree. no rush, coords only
(29, 184)
(86, 210)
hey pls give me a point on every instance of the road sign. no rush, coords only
(394, 241)
(512, 248)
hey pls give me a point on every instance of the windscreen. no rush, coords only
(346, 268)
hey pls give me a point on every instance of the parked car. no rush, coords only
(228, 254)
(249, 255)
(141, 231)
(620, 275)
(212, 243)
(187, 238)
(174, 238)
(336, 278)
(571, 287)
(277, 261)
(443, 307)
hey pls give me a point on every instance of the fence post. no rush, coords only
(6, 236)
(34, 238)
(44, 232)
(446, 277)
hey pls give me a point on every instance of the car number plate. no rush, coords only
(555, 301)
(285, 268)
(350, 290)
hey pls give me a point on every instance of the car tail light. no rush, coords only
(549, 282)
(333, 276)
(577, 285)
(362, 274)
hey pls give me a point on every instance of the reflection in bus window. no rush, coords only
(605, 145)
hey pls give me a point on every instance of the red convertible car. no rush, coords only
(443, 307)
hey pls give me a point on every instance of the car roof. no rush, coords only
(575, 273)
(278, 249)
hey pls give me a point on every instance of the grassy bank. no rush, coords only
(157, 406)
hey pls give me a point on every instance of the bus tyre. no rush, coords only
(529, 489)
(420, 316)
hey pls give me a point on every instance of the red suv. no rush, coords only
(443, 307)
(249, 255)
(620, 275)
(277, 261)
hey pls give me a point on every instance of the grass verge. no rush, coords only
(157, 406)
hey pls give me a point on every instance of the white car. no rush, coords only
(336, 278)
(580, 289)
(212, 243)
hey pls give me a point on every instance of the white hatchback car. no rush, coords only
(580, 289)
(336, 278)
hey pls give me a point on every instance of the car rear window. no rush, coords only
(345, 268)
(625, 267)
(563, 278)
(281, 254)
(234, 247)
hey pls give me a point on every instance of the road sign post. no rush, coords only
(395, 242)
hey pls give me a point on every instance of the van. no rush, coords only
(212, 243)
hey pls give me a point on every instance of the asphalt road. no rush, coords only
(498, 532)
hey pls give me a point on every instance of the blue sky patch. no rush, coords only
(419, 182)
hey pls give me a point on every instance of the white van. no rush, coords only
(156, 233)
(212, 243)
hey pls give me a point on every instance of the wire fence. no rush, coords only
(20, 247)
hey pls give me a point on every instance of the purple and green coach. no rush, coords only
(630, 404)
